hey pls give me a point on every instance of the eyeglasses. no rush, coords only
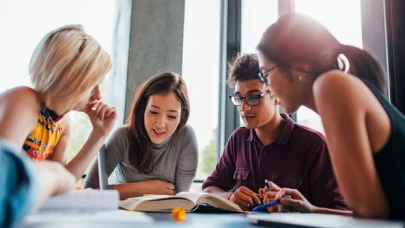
(262, 76)
(251, 100)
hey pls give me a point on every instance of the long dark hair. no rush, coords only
(296, 38)
(140, 146)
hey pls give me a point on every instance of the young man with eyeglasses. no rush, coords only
(270, 147)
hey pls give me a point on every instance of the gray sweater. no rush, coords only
(175, 160)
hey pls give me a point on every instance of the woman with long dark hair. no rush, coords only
(304, 65)
(156, 152)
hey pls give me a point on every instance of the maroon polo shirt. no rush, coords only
(298, 158)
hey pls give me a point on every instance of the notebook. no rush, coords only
(83, 208)
(190, 201)
(87, 199)
(318, 220)
(115, 218)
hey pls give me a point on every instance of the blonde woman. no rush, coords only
(66, 69)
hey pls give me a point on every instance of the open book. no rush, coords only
(186, 200)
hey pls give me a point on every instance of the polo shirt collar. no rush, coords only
(286, 128)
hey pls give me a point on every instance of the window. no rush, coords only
(343, 19)
(200, 71)
(256, 17)
(26, 22)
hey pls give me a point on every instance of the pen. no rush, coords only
(264, 207)
(266, 182)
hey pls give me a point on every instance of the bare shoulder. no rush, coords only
(335, 81)
(20, 98)
(339, 88)
(65, 123)
(19, 109)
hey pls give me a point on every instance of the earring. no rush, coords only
(300, 78)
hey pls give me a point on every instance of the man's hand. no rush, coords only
(269, 195)
(245, 198)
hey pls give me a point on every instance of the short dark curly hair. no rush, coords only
(244, 67)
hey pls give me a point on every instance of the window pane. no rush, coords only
(25, 22)
(257, 15)
(201, 73)
(343, 19)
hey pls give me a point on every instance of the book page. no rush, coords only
(156, 203)
(133, 202)
(210, 199)
(219, 202)
(193, 196)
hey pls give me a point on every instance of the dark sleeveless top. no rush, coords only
(390, 160)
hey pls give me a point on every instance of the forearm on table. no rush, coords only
(323, 210)
(128, 190)
(48, 184)
(47, 189)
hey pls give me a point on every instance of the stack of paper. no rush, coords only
(88, 199)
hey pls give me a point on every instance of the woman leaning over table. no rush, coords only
(304, 64)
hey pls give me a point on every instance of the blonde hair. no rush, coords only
(66, 65)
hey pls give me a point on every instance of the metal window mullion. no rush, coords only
(228, 118)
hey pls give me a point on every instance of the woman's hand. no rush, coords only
(269, 195)
(102, 117)
(297, 202)
(54, 179)
(160, 187)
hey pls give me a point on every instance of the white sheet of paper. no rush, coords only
(114, 216)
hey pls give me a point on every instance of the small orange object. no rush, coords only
(179, 214)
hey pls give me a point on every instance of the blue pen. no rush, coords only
(264, 207)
